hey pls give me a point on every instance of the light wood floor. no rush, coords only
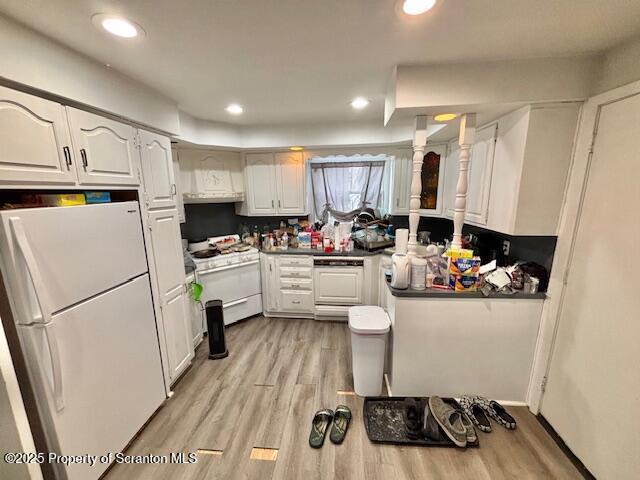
(278, 373)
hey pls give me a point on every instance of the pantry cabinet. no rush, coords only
(432, 181)
(160, 188)
(275, 184)
(105, 149)
(167, 255)
(34, 139)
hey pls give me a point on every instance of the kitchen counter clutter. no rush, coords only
(440, 293)
(356, 252)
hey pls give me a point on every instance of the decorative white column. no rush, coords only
(466, 139)
(419, 145)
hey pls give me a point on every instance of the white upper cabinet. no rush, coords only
(34, 141)
(105, 149)
(210, 176)
(290, 183)
(532, 157)
(157, 170)
(432, 177)
(276, 184)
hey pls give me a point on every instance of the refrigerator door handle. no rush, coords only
(32, 267)
(56, 367)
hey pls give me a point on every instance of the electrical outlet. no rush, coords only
(506, 247)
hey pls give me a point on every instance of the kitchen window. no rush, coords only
(344, 186)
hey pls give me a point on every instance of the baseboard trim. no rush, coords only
(584, 471)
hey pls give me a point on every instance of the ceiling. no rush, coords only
(295, 61)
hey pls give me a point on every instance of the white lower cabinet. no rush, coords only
(194, 313)
(287, 284)
(338, 285)
(295, 301)
(169, 268)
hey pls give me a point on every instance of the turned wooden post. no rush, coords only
(465, 140)
(419, 145)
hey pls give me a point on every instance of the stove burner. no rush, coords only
(206, 253)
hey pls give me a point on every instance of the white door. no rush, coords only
(261, 183)
(175, 156)
(73, 252)
(34, 140)
(157, 170)
(480, 171)
(338, 285)
(169, 264)
(105, 149)
(110, 374)
(291, 183)
(451, 179)
(593, 383)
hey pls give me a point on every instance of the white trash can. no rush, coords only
(369, 326)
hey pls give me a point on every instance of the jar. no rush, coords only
(418, 273)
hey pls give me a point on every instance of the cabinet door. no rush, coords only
(105, 149)
(432, 180)
(402, 171)
(291, 183)
(338, 285)
(169, 267)
(176, 179)
(270, 284)
(34, 140)
(480, 170)
(451, 179)
(157, 170)
(177, 330)
(261, 182)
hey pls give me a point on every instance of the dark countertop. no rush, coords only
(438, 293)
(320, 253)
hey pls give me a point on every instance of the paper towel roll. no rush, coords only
(402, 240)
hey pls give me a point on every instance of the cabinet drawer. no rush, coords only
(295, 261)
(295, 272)
(296, 284)
(296, 301)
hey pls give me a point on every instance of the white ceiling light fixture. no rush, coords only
(119, 26)
(359, 103)
(417, 7)
(234, 109)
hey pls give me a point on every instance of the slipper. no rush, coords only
(475, 413)
(450, 420)
(321, 421)
(412, 418)
(497, 412)
(341, 420)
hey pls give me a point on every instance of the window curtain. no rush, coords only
(344, 186)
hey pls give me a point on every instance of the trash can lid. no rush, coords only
(368, 320)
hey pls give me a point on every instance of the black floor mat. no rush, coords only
(384, 423)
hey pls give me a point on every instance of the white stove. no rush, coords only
(233, 278)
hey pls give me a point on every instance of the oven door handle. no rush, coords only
(234, 303)
(228, 267)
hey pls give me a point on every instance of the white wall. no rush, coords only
(621, 65)
(469, 86)
(32, 59)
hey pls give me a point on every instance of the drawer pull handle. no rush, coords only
(296, 302)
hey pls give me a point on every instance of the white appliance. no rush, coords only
(338, 280)
(233, 278)
(78, 284)
(400, 270)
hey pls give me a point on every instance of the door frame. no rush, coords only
(567, 234)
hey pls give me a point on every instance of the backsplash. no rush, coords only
(215, 219)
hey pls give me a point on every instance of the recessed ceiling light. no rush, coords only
(296, 148)
(444, 117)
(118, 26)
(417, 7)
(234, 109)
(359, 103)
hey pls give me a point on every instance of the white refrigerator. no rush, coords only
(78, 283)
